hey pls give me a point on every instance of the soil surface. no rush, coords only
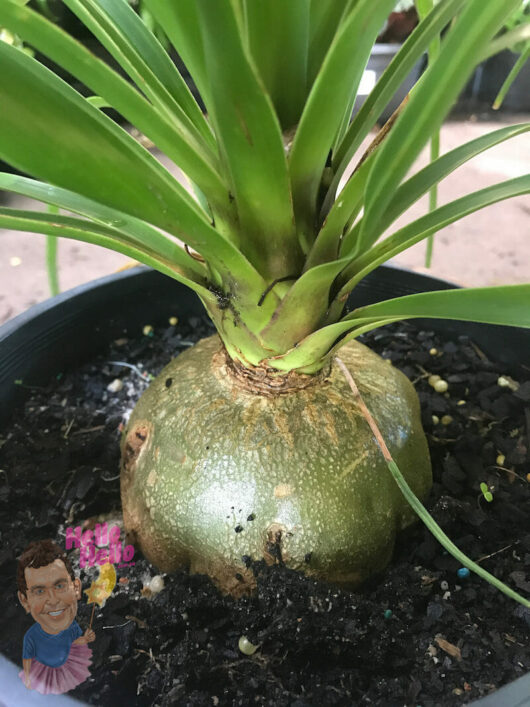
(419, 634)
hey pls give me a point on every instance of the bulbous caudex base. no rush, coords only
(213, 472)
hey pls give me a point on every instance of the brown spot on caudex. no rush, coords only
(133, 445)
(135, 441)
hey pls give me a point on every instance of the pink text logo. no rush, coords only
(99, 546)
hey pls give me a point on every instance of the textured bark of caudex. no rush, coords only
(219, 463)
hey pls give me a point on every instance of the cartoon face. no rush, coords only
(51, 596)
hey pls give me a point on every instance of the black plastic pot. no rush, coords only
(65, 331)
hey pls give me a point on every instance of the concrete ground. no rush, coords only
(491, 247)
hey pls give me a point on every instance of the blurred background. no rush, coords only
(491, 247)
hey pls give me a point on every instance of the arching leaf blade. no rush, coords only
(430, 101)
(324, 21)
(505, 306)
(506, 41)
(77, 229)
(249, 134)
(310, 353)
(346, 207)
(278, 39)
(104, 216)
(153, 54)
(336, 83)
(508, 305)
(514, 73)
(312, 349)
(181, 24)
(51, 259)
(49, 130)
(122, 32)
(171, 137)
(431, 222)
(420, 183)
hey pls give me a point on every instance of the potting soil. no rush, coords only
(424, 632)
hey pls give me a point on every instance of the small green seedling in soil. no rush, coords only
(486, 493)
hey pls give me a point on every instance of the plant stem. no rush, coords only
(416, 504)
(423, 7)
(442, 538)
(433, 196)
(511, 77)
(51, 258)
(367, 414)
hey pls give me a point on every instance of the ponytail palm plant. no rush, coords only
(250, 443)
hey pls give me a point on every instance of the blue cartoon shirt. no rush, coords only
(50, 649)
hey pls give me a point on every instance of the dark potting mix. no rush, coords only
(424, 632)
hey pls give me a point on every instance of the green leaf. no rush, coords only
(51, 265)
(486, 492)
(51, 258)
(424, 7)
(45, 9)
(308, 354)
(303, 308)
(127, 225)
(430, 223)
(514, 73)
(98, 102)
(506, 306)
(414, 188)
(49, 130)
(398, 69)
(433, 195)
(345, 209)
(122, 32)
(278, 38)
(249, 135)
(506, 41)
(149, 51)
(332, 91)
(445, 541)
(180, 21)
(324, 22)
(77, 229)
(430, 101)
(178, 143)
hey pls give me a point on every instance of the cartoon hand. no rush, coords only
(89, 635)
